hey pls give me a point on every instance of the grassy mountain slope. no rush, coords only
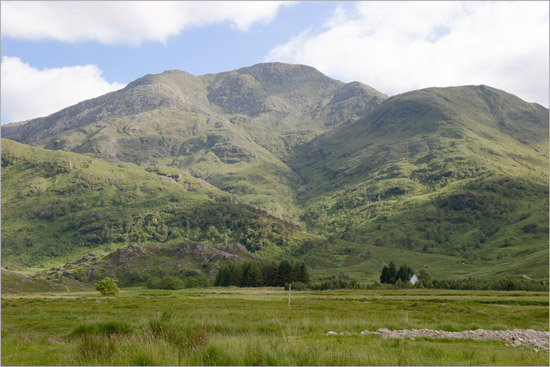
(58, 206)
(231, 129)
(456, 171)
(431, 136)
(455, 179)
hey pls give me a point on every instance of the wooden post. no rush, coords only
(289, 289)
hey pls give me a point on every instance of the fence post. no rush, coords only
(289, 290)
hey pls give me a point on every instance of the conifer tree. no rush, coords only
(384, 275)
(254, 275)
(284, 273)
(303, 274)
(392, 273)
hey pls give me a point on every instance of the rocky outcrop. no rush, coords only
(137, 262)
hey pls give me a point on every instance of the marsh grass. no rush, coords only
(105, 328)
(255, 327)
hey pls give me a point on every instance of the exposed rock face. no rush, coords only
(236, 248)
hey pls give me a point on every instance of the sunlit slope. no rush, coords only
(58, 206)
(232, 129)
(457, 171)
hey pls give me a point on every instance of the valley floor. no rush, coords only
(231, 326)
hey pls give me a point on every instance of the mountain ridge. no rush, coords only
(456, 172)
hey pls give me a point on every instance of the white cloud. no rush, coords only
(125, 22)
(401, 46)
(28, 92)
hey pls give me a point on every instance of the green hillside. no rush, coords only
(289, 163)
(58, 206)
(231, 129)
(455, 171)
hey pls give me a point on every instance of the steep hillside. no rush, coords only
(430, 137)
(456, 171)
(454, 179)
(231, 129)
(58, 206)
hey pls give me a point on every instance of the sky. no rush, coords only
(56, 54)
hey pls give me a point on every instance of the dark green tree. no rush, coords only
(425, 278)
(302, 273)
(271, 274)
(404, 273)
(237, 276)
(255, 275)
(384, 275)
(284, 273)
(392, 273)
(223, 277)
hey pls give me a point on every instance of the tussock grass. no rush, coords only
(104, 328)
(255, 327)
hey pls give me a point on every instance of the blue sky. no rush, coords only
(199, 50)
(59, 53)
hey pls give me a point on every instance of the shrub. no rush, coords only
(107, 287)
(171, 282)
(153, 283)
(196, 282)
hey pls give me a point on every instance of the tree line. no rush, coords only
(390, 275)
(401, 279)
(258, 274)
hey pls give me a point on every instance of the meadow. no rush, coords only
(233, 326)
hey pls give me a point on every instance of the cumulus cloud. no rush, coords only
(28, 92)
(124, 22)
(401, 46)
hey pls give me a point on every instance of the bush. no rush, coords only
(196, 282)
(107, 287)
(153, 283)
(171, 282)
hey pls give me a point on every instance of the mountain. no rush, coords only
(427, 136)
(289, 163)
(457, 171)
(59, 206)
(232, 129)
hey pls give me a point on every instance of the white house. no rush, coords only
(413, 280)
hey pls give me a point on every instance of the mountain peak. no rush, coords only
(277, 77)
(274, 70)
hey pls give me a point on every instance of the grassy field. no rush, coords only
(255, 327)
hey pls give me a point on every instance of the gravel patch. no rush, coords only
(515, 338)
